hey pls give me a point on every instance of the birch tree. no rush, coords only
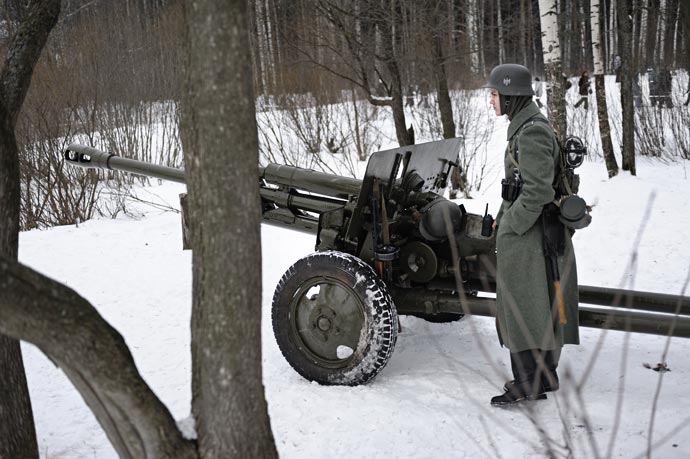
(602, 109)
(553, 68)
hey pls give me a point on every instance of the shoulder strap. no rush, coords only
(530, 121)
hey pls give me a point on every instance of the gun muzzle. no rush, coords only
(88, 157)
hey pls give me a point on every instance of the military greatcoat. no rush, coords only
(523, 306)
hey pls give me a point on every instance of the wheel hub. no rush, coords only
(327, 319)
(323, 323)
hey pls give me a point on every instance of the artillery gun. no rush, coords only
(389, 244)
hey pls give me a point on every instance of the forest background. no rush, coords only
(111, 75)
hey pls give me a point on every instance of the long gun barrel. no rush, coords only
(283, 186)
(289, 176)
(91, 158)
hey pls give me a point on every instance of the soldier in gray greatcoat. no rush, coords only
(528, 321)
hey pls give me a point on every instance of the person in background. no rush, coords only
(617, 64)
(653, 86)
(424, 94)
(583, 85)
(526, 322)
(664, 88)
(409, 96)
(538, 92)
(636, 91)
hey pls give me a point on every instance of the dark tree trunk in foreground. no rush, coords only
(221, 163)
(17, 432)
(627, 74)
(96, 360)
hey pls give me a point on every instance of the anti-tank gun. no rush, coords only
(388, 244)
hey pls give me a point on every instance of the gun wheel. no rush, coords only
(334, 320)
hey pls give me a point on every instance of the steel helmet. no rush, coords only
(511, 80)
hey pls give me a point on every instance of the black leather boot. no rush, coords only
(526, 385)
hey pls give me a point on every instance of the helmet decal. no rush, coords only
(511, 80)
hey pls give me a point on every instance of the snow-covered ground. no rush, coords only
(432, 400)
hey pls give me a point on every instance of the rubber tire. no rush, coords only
(375, 344)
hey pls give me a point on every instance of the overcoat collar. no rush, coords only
(521, 118)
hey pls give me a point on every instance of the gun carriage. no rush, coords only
(389, 244)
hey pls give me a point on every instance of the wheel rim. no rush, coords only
(327, 318)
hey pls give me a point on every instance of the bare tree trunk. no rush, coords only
(684, 15)
(531, 38)
(671, 27)
(627, 74)
(637, 34)
(574, 45)
(96, 360)
(602, 109)
(396, 104)
(522, 31)
(644, 24)
(651, 38)
(17, 432)
(439, 69)
(387, 21)
(501, 37)
(552, 67)
(228, 399)
(489, 37)
(604, 128)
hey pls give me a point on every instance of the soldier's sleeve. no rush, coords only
(536, 145)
